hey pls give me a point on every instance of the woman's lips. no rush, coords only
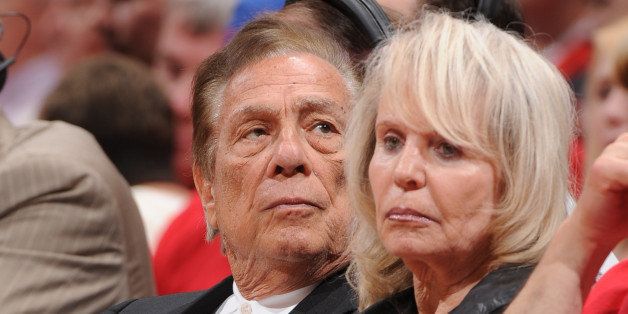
(404, 214)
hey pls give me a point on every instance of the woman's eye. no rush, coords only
(255, 134)
(448, 151)
(391, 143)
(324, 128)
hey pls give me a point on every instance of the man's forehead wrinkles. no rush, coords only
(252, 77)
(254, 110)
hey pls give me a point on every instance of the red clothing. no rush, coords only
(576, 165)
(574, 65)
(610, 293)
(184, 261)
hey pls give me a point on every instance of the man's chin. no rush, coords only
(297, 244)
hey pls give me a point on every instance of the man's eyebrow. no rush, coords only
(257, 110)
(322, 105)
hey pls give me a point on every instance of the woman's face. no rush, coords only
(434, 201)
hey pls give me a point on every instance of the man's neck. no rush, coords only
(261, 278)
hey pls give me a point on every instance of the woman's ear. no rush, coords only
(206, 192)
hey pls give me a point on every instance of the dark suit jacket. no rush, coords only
(71, 237)
(333, 295)
(491, 295)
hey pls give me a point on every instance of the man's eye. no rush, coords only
(255, 134)
(324, 128)
(392, 143)
(448, 151)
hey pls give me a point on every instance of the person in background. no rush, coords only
(599, 224)
(191, 31)
(269, 114)
(605, 107)
(71, 237)
(133, 27)
(453, 117)
(562, 30)
(63, 33)
(116, 99)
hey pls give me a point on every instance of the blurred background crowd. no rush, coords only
(123, 70)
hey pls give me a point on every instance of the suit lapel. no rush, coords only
(333, 295)
(211, 300)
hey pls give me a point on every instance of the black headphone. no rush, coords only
(366, 14)
(6, 62)
(487, 8)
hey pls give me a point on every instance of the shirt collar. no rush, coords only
(275, 302)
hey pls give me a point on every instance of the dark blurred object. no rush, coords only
(6, 62)
(329, 19)
(63, 33)
(505, 14)
(367, 15)
(621, 68)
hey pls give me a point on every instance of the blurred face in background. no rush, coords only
(135, 26)
(77, 28)
(180, 49)
(606, 105)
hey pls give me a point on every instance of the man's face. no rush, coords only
(279, 188)
(179, 52)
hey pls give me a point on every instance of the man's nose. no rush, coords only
(409, 172)
(289, 156)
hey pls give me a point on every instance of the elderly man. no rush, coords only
(269, 115)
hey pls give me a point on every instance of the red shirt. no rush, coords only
(610, 293)
(184, 261)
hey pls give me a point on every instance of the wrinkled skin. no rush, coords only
(278, 195)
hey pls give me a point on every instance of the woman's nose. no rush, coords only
(409, 172)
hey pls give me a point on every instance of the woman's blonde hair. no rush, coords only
(486, 91)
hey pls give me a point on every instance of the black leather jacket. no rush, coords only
(491, 295)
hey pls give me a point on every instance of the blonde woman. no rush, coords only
(457, 168)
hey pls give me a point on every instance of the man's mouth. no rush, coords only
(292, 203)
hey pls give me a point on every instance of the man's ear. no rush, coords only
(206, 192)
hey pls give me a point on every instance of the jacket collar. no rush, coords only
(333, 294)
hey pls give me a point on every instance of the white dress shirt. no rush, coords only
(277, 304)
